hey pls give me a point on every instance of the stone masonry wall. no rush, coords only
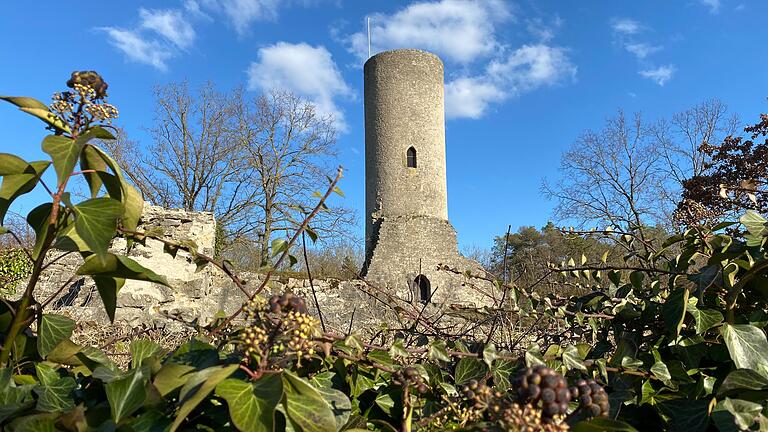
(201, 295)
(411, 245)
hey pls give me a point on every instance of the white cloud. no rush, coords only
(543, 31)
(470, 97)
(533, 66)
(626, 26)
(524, 69)
(307, 71)
(713, 5)
(457, 30)
(641, 50)
(170, 24)
(242, 13)
(660, 75)
(139, 49)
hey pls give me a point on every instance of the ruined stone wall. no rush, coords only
(412, 245)
(200, 295)
(194, 295)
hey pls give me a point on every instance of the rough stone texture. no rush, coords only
(412, 245)
(192, 294)
(407, 228)
(404, 107)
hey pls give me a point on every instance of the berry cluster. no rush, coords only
(254, 341)
(480, 396)
(301, 328)
(528, 418)
(542, 384)
(281, 330)
(592, 397)
(286, 303)
(410, 377)
(90, 79)
(88, 97)
(501, 413)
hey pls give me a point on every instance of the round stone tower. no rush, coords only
(407, 233)
(404, 112)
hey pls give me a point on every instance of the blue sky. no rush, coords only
(523, 78)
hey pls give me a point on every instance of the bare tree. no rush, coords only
(610, 177)
(680, 139)
(194, 161)
(253, 162)
(285, 143)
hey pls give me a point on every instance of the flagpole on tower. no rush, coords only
(369, 36)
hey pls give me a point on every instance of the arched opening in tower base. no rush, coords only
(421, 283)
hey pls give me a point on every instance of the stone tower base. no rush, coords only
(405, 247)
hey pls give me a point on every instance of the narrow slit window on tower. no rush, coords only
(411, 154)
(425, 291)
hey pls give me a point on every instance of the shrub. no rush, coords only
(14, 267)
(676, 343)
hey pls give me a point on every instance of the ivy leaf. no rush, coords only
(53, 330)
(199, 385)
(674, 310)
(305, 407)
(311, 233)
(398, 350)
(143, 349)
(435, 351)
(572, 358)
(39, 219)
(489, 354)
(339, 403)
(601, 424)
(686, 414)
(502, 372)
(56, 395)
(171, 376)
(385, 402)
(15, 185)
(127, 394)
(660, 371)
(11, 164)
(747, 346)
(469, 368)
(744, 412)
(705, 318)
(108, 288)
(38, 109)
(381, 357)
(95, 132)
(64, 152)
(279, 246)
(96, 223)
(743, 379)
(35, 423)
(132, 200)
(133, 205)
(119, 267)
(24, 102)
(13, 398)
(252, 404)
(755, 223)
(90, 159)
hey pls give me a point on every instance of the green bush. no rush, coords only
(14, 267)
(677, 342)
